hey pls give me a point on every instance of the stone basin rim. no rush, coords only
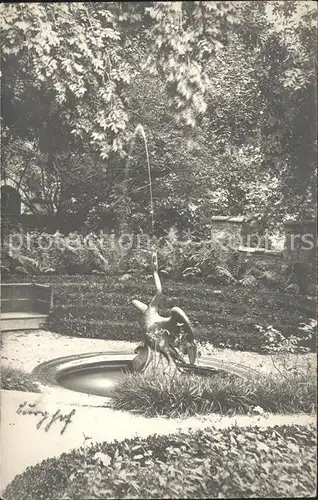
(49, 372)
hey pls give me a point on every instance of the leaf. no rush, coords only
(24, 26)
(259, 410)
(103, 458)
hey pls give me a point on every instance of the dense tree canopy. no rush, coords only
(224, 90)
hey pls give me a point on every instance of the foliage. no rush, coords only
(181, 394)
(13, 379)
(73, 56)
(65, 72)
(47, 253)
(276, 343)
(75, 253)
(215, 260)
(279, 347)
(99, 306)
(211, 463)
(226, 93)
(267, 54)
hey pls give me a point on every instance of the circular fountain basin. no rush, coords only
(98, 381)
(96, 374)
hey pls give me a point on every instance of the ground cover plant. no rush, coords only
(182, 394)
(212, 463)
(225, 315)
(86, 254)
(13, 379)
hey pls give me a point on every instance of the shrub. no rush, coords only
(274, 342)
(212, 463)
(75, 253)
(43, 252)
(13, 379)
(182, 394)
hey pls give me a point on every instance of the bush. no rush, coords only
(274, 342)
(182, 394)
(75, 253)
(212, 463)
(47, 253)
(13, 379)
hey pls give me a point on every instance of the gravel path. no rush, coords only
(91, 425)
(27, 349)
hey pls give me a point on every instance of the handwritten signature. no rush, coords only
(57, 416)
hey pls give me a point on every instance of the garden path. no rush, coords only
(26, 350)
(23, 445)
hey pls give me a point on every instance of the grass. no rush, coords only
(13, 379)
(156, 394)
(212, 463)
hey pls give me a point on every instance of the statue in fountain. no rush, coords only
(161, 333)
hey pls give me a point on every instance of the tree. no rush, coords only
(64, 102)
(251, 68)
(224, 90)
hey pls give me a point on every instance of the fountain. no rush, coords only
(98, 373)
(160, 332)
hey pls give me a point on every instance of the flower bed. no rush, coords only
(227, 316)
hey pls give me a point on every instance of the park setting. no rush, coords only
(158, 250)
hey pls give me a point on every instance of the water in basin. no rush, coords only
(98, 381)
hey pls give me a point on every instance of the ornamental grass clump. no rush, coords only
(13, 379)
(182, 394)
